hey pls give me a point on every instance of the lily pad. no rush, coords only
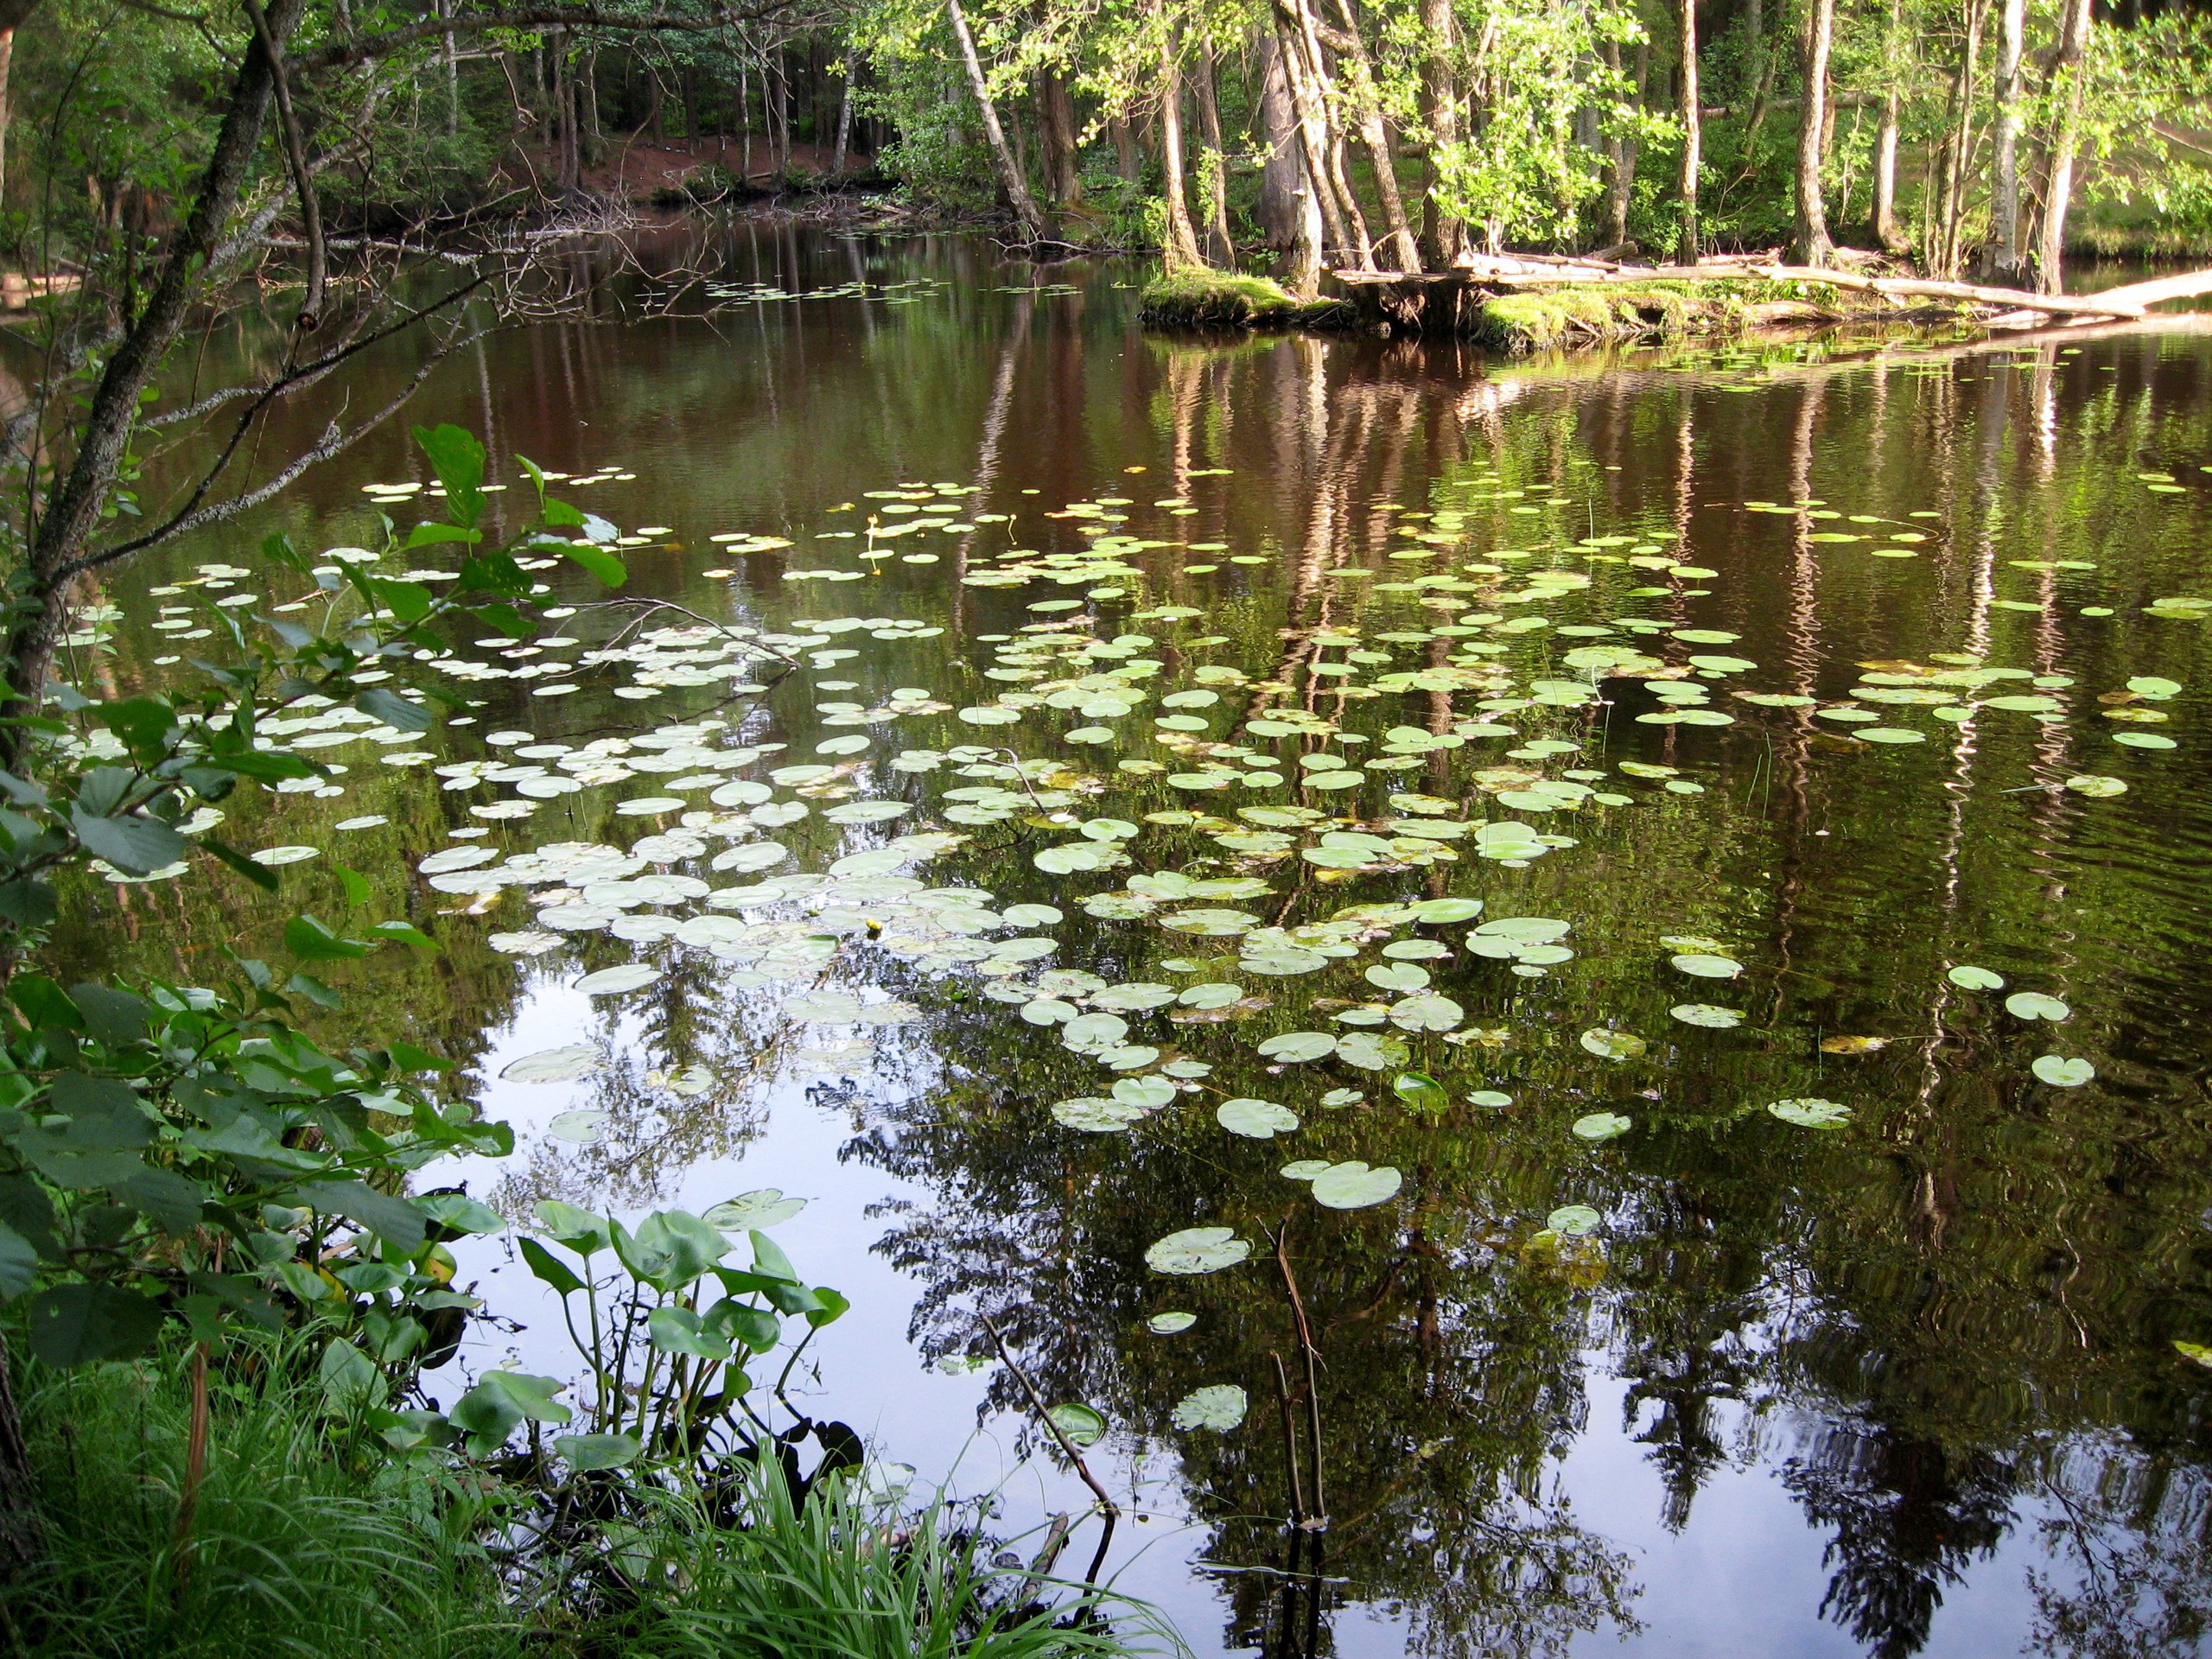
(1257, 1120)
(612, 982)
(1167, 1324)
(1296, 1047)
(1218, 1406)
(2034, 1005)
(1573, 1220)
(1598, 1126)
(747, 1211)
(562, 1064)
(580, 1127)
(1707, 1016)
(1810, 1113)
(1968, 978)
(1355, 1187)
(1702, 966)
(1608, 1045)
(1198, 1249)
(2062, 1073)
(1081, 1424)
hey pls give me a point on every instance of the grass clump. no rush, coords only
(1217, 299)
(1591, 314)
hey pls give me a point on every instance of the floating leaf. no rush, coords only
(1303, 1169)
(1707, 1016)
(1096, 1115)
(2034, 1005)
(611, 981)
(582, 1127)
(1573, 1220)
(1703, 966)
(1296, 1047)
(2061, 1073)
(1370, 1053)
(1597, 1127)
(751, 1212)
(1218, 1406)
(1811, 1113)
(1355, 1187)
(1854, 1044)
(2096, 787)
(1421, 1092)
(1608, 1045)
(1258, 1119)
(1198, 1249)
(562, 1064)
(1081, 1424)
(1968, 978)
(1167, 1324)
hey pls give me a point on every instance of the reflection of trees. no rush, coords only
(1908, 1517)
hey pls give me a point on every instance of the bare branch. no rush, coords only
(531, 18)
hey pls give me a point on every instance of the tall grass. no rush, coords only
(840, 1576)
(307, 1537)
(294, 1548)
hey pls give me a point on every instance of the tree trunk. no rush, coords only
(7, 53)
(1442, 234)
(1687, 245)
(1887, 235)
(1128, 165)
(1179, 248)
(1951, 213)
(1056, 117)
(1221, 241)
(1621, 185)
(1760, 62)
(1313, 134)
(1281, 210)
(2058, 150)
(844, 118)
(1032, 221)
(2006, 250)
(1813, 246)
(79, 497)
(1375, 138)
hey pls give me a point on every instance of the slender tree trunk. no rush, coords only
(1179, 248)
(1621, 186)
(1442, 235)
(845, 118)
(1033, 223)
(1813, 246)
(1221, 241)
(1313, 134)
(1128, 165)
(593, 132)
(1887, 234)
(2070, 69)
(1056, 113)
(73, 510)
(1951, 215)
(449, 53)
(1281, 209)
(2007, 248)
(1375, 138)
(1760, 62)
(1686, 247)
(7, 53)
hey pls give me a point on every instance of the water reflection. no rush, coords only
(1944, 1335)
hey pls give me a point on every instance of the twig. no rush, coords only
(1044, 1416)
(295, 151)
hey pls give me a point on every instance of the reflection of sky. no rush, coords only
(1746, 1577)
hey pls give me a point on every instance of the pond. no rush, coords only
(1639, 924)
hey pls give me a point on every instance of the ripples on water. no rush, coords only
(1907, 1384)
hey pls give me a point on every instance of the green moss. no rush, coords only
(1224, 299)
(1581, 315)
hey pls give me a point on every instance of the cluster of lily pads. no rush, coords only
(1164, 783)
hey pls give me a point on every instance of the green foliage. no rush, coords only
(299, 1540)
(177, 1151)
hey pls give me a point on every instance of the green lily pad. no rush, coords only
(1081, 1424)
(1421, 1092)
(1197, 1250)
(1296, 1047)
(1598, 1127)
(562, 1065)
(2062, 1073)
(1811, 1114)
(2034, 1005)
(1573, 1220)
(1355, 1187)
(1257, 1120)
(1702, 966)
(1167, 1324)
(1968, 978)
(1707, 1016)
(1218, 1406)
(1608, 1045)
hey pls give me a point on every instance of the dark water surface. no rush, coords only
(1904, 1383)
